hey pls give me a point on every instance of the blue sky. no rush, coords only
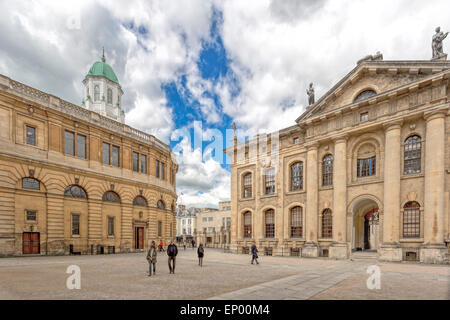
(181, 63)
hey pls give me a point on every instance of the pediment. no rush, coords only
(379, 76)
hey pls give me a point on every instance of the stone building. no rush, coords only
(213, 226)
(366, 167)
(77, 179)
(186, 222)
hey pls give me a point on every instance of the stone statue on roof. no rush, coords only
(436, 43)
(310, 93)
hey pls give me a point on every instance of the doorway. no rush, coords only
(365, 226)
(139, 237)
(31, 243)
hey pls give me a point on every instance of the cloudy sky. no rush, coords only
(197, 65)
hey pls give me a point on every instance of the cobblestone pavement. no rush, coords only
(223, 276)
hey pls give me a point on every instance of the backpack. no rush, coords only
(171, 250)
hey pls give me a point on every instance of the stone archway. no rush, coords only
(365, 223)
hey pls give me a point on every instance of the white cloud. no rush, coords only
(277, 47)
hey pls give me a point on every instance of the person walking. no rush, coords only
(200, 253)
(184, 244)
(161, 246)
(172, 252)
(254, 254)
(193, 243)
(151, 258)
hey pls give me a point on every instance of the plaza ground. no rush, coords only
(223, 276)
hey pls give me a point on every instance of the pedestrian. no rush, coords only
(184, 244)
(161, 246)
(151, 258)
(200, 253)
(172, 252)
(254, 254)
(193, 243)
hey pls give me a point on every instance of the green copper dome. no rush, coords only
(102, 69)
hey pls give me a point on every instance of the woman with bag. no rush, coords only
(151, 258)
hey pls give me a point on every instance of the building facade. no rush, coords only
(366, 167)
(213, 226)
(77, 179)
(186, 222)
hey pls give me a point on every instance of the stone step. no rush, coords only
(366, 255)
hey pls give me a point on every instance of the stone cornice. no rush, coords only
(45, 101)
(437, 113)
(409, 87)
(396, 124)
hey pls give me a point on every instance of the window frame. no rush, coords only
(111, 228)
(34, 128)
(300, 176)
(364, 172)
(411, 220)
(72, 224)
(412, 158)
(247, 228)
(327, 224)
(269, 181)
(296, 231)
(327, 170)
(269, 228)
(247, 188)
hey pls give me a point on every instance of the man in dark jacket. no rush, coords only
(172, 252)
(254, 254)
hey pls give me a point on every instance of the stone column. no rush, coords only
(339, 248)
(390, 249)
(311, 248)
(434, 250)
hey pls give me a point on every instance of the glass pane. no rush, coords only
(81, 146)
(162, 170)
(157, 168)
(115, 156)
(69, 143)
(135, 161)
(105, 153)
(143, 163)
(31, 135)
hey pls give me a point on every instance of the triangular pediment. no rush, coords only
(379, 76)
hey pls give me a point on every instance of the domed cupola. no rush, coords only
(103, 93)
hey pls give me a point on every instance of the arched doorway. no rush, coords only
(365, 233)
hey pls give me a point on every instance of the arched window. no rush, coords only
(269, 181)
(160, 204)
(365, 95)
(297, 176)
(411, 220)
(269, 217)
(109, 96)
(247, 185)
(111, 196)
(75, 191)
(327, 170)
(31, 183)
(296, 222)
(327, 224)
(140, 201)
(413, 155)
(247, 217)
(96, 93)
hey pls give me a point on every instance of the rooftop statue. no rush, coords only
(372, 57)
(310, 93)
(436, 43)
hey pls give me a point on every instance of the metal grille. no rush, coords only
(110, 226)
(111, 197)
(411, 220)
(296, 222)
(30, 183)
(366, 167)
(31, 215)
(75, 224)
(248, 185)
(297, 176)
(247, 225)
(270, 180)
(327, 170)
(75, 192)
(140, 201)
(268, 251)
(270, 223)
(327, 224)
(365, 95)
(160, 204)
(412, 156)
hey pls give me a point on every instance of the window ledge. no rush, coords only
(268, 196)
(247, 199)
(294, 239)
(412, 175)
(411, 240)
(326, 188)
(268, 239)
(325, 239)
(76, 236)
(295, 192)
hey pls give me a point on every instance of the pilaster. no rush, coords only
(311, 249)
